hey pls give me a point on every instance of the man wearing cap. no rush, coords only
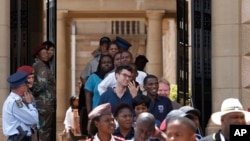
(171, 115)
(92, 65)
(44, 92)
(18, 113)
(231, 113)
(195, 114)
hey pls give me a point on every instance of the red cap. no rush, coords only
(27, 69)
(38, 49)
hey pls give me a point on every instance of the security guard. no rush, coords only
(18, 113)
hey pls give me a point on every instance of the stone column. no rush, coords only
(169, 51)
(245, 53)
(226, 53)
(5, 49)
(61, 66)
(154, 42)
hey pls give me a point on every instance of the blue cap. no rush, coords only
(122, 43)
(17, 79)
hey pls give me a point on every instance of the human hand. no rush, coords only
(133, 89)
(27, 97)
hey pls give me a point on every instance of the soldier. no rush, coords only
(51, 52)
(18, 113)
(44, 91)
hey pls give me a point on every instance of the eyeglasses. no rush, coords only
(126, 75)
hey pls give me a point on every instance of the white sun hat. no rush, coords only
(229, 105)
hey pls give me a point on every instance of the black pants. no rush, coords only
(17, 138)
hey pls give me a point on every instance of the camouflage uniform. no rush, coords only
(44, 91)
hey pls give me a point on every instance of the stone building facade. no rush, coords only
(150, 25)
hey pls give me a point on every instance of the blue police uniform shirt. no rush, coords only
(16, 113)
(110, 97)
(160, 107)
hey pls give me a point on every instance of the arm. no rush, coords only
(159, 134)
(88, 100)
(89, 89)
(90, 68)
(107, 82)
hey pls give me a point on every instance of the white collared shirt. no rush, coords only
(96, 138)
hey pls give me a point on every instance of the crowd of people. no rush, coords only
(118, 101)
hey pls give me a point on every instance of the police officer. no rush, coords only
(18, 113)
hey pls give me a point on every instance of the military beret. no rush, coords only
(17, 79)
(122, 43)
(102, 109)
(28, 69)
(38, 49)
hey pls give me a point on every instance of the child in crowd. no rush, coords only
(140, 104)
(70, 121)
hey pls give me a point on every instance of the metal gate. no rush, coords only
(182, 52)
(26, 29)
(201, 58)
(18, 34)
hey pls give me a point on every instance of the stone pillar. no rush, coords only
(61, 80)
(154, 42)
(226, 53)
(245, 53)
(5, 49)
(226, 49)
(169, 51)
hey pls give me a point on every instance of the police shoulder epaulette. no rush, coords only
(19, 103)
